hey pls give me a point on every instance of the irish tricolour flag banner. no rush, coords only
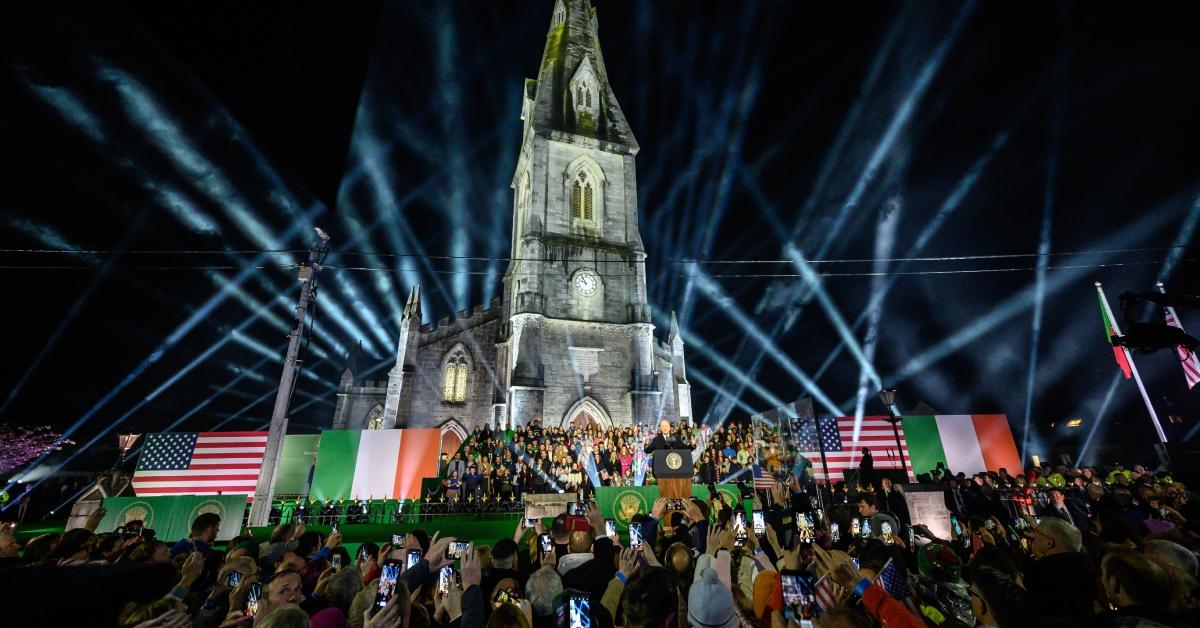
(970, 443)
(374, 464)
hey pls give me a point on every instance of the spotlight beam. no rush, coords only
(948, 207)
(897, 124)
(201, 314)
(1108, 397)
(885, 241)
(1040, 274)
(712, 290)
(1147, 223)
(213, 348)
(76, 306)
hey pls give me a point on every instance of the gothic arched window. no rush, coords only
(375, 418)
(454, 379)
(581, 197)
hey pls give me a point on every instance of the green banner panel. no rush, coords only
(295, 463)
(623, 502)
(923, 442)
(336, 457)
(171, 516)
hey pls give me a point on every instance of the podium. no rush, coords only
(673, 472)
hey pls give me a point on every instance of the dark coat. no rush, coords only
(893, 503)
(660, 442)
(1064, 586)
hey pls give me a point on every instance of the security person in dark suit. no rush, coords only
(663, 440)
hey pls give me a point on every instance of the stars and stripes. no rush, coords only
(843, 451)
(895, 581)
(1189, 361)
(763, 480)
(199, 463)
(826, 598)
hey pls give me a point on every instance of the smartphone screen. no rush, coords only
(547, 543)
(885, 529)
(444, 577)
(835, 532)
(455, 550)
(955, 525)
(531, 522)
(610, 527)
(234, 578)
(336, 561)
(989, 524)
(388, 575)
(333, 528)
(398, 541)
(635, 535)
(866, 527)
(506, 596)
(912, 538)
(253, 595)
(807, 533)
(580, 611)
(855, 528)
(414, 557)
(760, 522)
(739, 520)
(799, 594)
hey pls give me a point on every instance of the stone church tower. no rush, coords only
(571, 338)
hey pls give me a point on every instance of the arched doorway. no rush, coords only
(587, 411)
(452, 437)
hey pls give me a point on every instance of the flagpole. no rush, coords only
(1162, 436)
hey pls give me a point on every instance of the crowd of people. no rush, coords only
(1112, 549)
(510, 463)
(1052, 546)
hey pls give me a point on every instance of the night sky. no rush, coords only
(853, 130)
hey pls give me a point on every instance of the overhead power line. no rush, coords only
(955, 271)
(862, 260)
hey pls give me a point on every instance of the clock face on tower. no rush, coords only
(586, 282)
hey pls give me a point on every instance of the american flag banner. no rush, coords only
(199, 463)
(763, 480)
(1189, 361)
(843, 451)
(895, 581)
(826, 598)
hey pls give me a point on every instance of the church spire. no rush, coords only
(351, 363)
(572, 93)
(412, 307)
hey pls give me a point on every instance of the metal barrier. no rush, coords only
(388, 511)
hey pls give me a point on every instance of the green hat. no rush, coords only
(939, 562)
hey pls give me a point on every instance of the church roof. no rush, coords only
(571, 43)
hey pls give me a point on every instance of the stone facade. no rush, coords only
(571, 338)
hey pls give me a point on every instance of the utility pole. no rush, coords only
(265, 491)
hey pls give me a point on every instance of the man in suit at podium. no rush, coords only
(664, 440)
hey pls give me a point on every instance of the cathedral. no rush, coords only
(571, 340)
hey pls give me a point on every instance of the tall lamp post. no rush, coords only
(260, 508)
(125, 443)
(888, 397)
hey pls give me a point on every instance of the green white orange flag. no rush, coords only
(1110, 330)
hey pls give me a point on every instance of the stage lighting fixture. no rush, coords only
(1074, 422)
(888, 397)
(1144, 338)
(321, 234)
